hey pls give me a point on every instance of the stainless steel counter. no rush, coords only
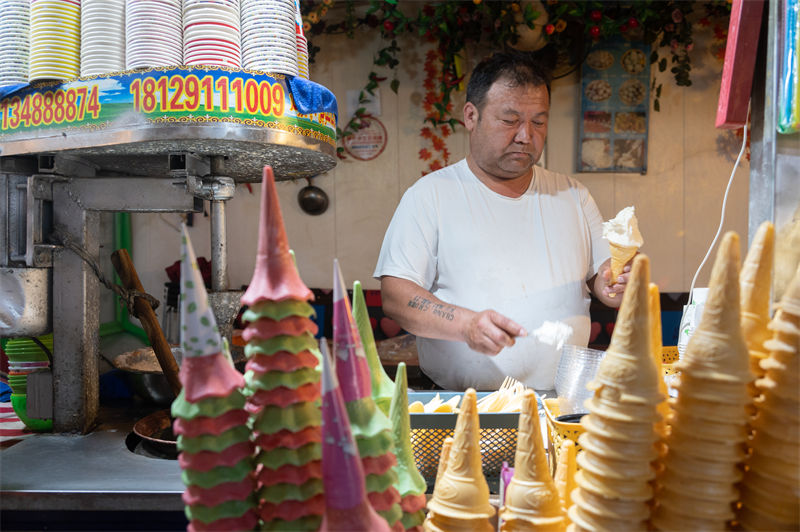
(86, 472)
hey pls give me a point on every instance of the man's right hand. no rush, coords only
(488, 332)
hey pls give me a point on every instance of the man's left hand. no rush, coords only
(610, 295)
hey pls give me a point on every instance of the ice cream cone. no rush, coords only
(275, 277)
(462, 491)
(447, 444)
(410, 483)
(352, 369)
(755, 283)
(770, 498)
(382, 385)
(706, 440)
(620, 256)
(346, 504)
(654, 300)
(566, 470)
(619, 441)
(531, 500)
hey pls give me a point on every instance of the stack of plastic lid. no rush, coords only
(211, 33)
(55, 38)
(153, 33)
(25, 357)
(102, 36)
(14, 47)
(269, 37)
(302, 43)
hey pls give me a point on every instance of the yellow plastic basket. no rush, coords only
(558, 431)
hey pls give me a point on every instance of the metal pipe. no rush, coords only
(219, 247)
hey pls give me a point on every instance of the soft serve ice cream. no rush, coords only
(624, 238)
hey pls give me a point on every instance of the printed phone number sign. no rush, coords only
(167, 95)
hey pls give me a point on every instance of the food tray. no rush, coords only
(498, 436)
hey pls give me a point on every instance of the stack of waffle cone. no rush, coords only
(283, 379)
(216, 454)
(708, 419)
(532, 501)
(655, 341)
(566, 469)
(755, 283)
(410, 483)
(461, 495)
(770, 490)
(618, 444)
(620, 256)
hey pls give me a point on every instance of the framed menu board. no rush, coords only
(615, 98)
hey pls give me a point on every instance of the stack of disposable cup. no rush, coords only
(619, 442)
(302, 43)
(55, 38)
(15, 45)
(211, 33)
(708, 422)
(153, 33)
(269, 37)
(769, 491)
(102, 36)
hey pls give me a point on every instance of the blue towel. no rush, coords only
(5, 91)
(5, 392)
(310, 97)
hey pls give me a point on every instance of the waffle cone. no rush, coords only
(620, 256)
(755, 283)
(441, 523)
(531, 499)
(654, 304)
(566, 470)
(462, 491)
(447, 444)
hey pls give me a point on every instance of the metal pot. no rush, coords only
(144, 374)
(313, 200)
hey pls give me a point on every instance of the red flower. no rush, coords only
(594, 31)
(596, 15)
(426, 133)
(438, 143)
(388, 25)
(624, 28)
(445, 131)
(435, 165)
(424, 154)
(549, 29)
(633, 23)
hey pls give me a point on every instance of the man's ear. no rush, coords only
(471, 116)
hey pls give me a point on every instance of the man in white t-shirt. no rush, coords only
(483, 251)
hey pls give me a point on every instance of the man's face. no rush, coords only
(507, 136)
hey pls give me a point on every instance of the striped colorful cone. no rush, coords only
(282, 376)
(410, 483)
(382, 385)
(216, 455)
(347, 506)
(371, 428)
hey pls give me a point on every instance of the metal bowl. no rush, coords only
(576, 368)
(144, 375)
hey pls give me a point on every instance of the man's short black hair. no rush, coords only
(519, 68)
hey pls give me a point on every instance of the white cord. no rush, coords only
(724, 203)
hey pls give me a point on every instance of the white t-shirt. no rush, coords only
(528, 258)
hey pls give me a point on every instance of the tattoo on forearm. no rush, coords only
(445, 312)
(424, 304)
(420, 303)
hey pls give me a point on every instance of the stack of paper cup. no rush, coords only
(302, 42)
(102, 37)
(14, 46)
(55, 37)
(269, 40)
(153, 33)
(211, 33)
